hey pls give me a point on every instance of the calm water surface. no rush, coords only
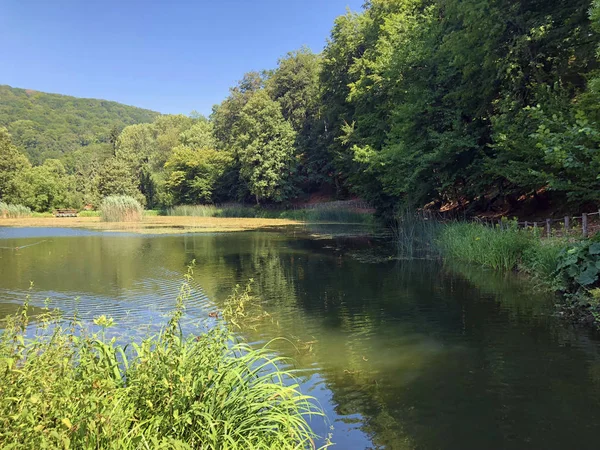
(400, 354)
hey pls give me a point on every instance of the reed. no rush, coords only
(323, 213)
(500, 249)
(415, 235)
(10, 211)
(120, 208)
(64, 386)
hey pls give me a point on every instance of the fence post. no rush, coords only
(584, 224)
(548, 227)
(526, 225)
(566, 224)
(535, 228)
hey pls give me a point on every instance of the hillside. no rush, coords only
(50, 125)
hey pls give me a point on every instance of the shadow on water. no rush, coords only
(401, 354)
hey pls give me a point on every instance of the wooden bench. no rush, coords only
(65, 213)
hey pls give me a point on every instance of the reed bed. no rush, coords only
(121, 208)
(10, 211)
(65, 386)
(235, 210)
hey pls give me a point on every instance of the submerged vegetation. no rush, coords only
(121, 208)
(66, 386)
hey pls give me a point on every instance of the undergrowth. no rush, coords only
(64, 386)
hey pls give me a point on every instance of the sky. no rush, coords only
(169, 56)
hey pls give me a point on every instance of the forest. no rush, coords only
(478, 105)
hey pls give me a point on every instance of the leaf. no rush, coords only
(595, 248)
(587, 277)
(67, 423)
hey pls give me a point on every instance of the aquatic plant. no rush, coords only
(322, 213)
(120, 208)
(500, 249)
(69, 387)
(10, 211)
(415, 234)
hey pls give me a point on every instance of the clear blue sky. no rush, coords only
(170, 56)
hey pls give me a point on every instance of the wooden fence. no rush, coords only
(566, 225)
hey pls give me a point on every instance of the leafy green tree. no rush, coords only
(116, 178)
(12, 162)
(265, 148)
(295, 84)
(45, 187)
(193, 173)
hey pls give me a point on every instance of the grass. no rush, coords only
(505, 249)
(415, 235)
(322, 213)
(488, 247)
(65, 386)
(9, 211)
(120, 208)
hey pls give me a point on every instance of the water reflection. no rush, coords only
(400, 354)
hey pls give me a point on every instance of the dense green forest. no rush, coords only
(479, 104)
(50, 125)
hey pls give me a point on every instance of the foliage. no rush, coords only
(265, 147)
(9, 211)
(50, 125)
(12, 162)
(496, 248)
(578, 267)
(120, 208)
(70, 387)
(193, 174)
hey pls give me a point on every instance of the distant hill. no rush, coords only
(51, 125)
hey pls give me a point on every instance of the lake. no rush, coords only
(400, 354)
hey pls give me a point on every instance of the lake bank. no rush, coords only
(152, 224)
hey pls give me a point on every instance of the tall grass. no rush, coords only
(500, 249)
(9, 211)
(120, 208)
(232, 210)
(67, 387)
(415, 235)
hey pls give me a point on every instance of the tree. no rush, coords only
(193, 173)
(12, 162)
(295, 84)
(116, 178)
(45, 187)
(264, 143)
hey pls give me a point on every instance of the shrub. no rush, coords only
(66, 387)
(9, 211)
(121, 208)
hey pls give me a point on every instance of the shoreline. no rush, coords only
(152, 224)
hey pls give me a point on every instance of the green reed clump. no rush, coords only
(121, 208)
(500, 249)
(10, 211)
(415, 235)
(65, 386)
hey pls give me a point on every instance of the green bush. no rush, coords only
(67, 387)
(121, 208)
(8, 211)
